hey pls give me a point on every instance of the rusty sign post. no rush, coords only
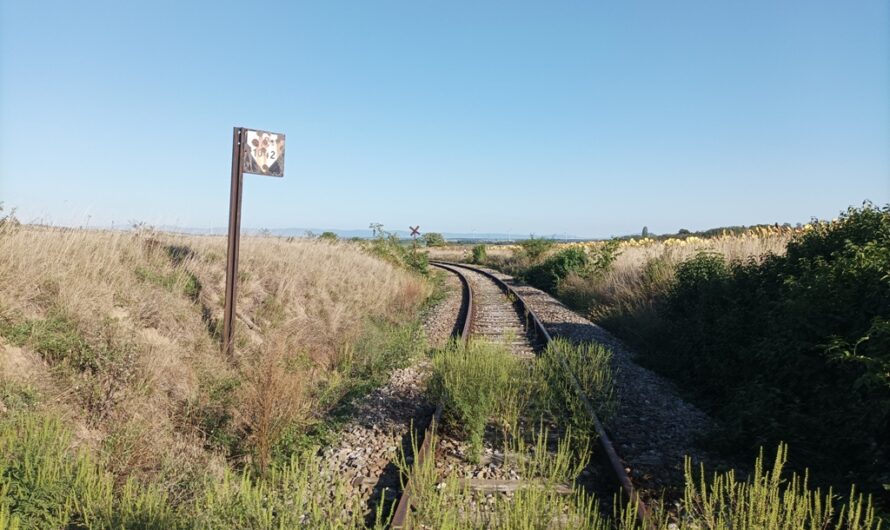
(415, 231)
(260, 153)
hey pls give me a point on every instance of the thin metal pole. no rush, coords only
(234, 241)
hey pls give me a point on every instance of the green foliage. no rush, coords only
(433, 239)
(328, 236)
(362, 367)
(793, 348)
(480, 254)
(178, 280)
(534, 248)
(55, 337)
(383, 348)
(471, 381)
(572, 260)
(447, 503)
(388, 248)
(769, 501)
(588, 364)
(18, 396)
(289, 496)
(47, 484)
(210, 411)
(417, 261)
(547, 275)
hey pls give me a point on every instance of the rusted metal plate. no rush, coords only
(263, 153)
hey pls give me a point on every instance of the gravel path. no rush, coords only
(370, 442)
(439, 321)
(653, 428)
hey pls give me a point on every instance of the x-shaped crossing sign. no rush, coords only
(415, 230)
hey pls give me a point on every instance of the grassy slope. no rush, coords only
(115, 336)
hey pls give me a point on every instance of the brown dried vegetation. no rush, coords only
(119, 333)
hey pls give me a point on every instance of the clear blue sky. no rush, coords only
(587, 118)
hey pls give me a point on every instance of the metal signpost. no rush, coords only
(414, 233)
(260, 153)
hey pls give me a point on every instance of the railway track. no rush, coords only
(493, 310)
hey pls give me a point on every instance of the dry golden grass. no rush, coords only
(143, 308)
(644, 266)
(464, 252)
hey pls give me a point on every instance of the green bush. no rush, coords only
(551, 272)
(534, 248)
(793, 348)
(479, 254)
(328, 236)
(572, 260)
(433, 239)
(388, 247)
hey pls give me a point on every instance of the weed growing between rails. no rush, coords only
(452, 504)
(483, 383)
(475, 382)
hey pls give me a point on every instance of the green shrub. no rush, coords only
(388, 248)
(768, 500)
(433, 239)
(795, 347)
(18, 396)
(445, 503)
(328, 236)
(572, 260)
(551, 272)
(382, 348)
(534, 248)
(479, 254)
(361, 367)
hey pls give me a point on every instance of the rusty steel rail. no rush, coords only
(462, 330)
(605, 442)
